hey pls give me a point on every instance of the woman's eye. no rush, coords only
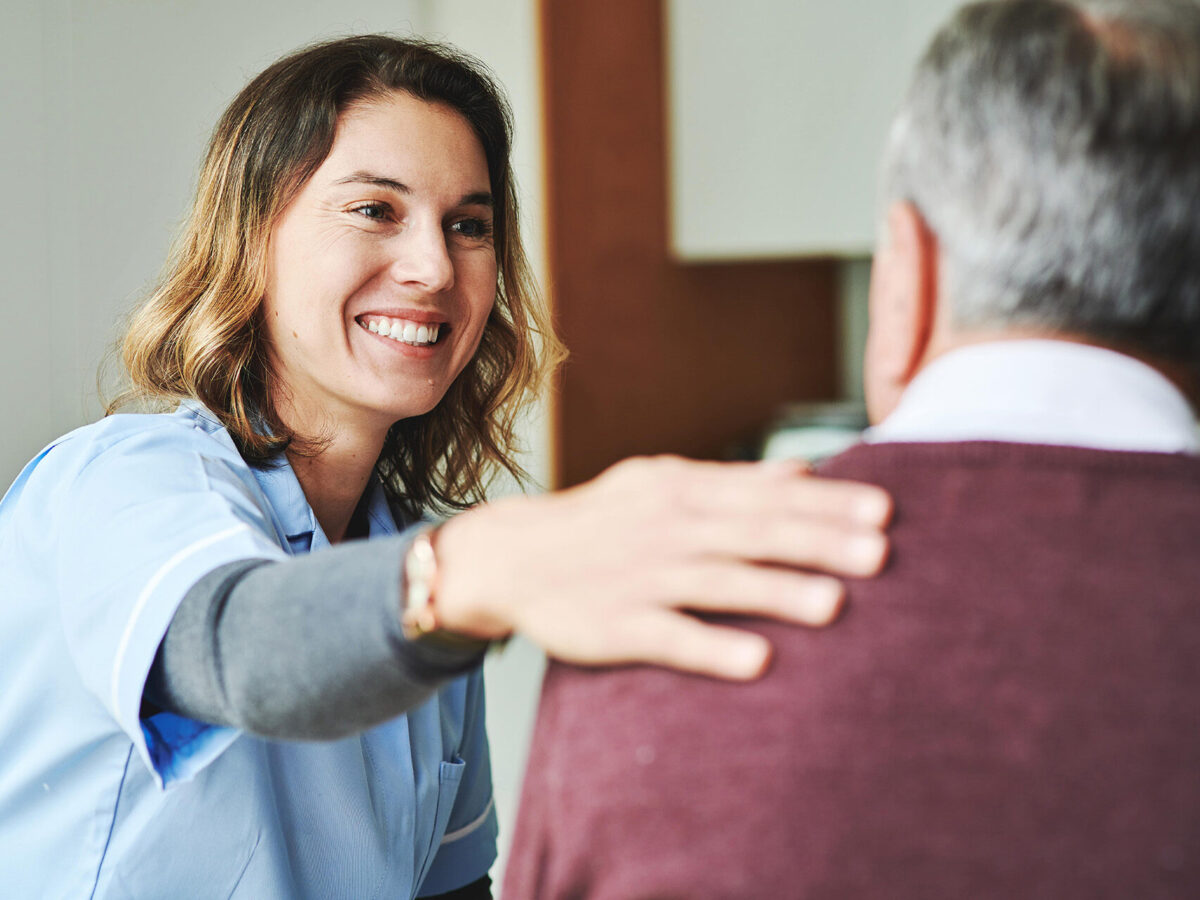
(472, 228)
(375, 211)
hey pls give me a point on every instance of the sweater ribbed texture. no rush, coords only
(1011, 710)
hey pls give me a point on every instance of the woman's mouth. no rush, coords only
(405, 331)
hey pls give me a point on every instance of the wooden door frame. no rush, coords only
(666, 356)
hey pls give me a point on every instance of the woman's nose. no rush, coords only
(422, 259)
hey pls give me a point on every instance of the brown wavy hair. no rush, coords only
(199, 335)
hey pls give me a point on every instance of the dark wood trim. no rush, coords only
(665, 357)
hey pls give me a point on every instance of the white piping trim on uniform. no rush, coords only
(144, 598)
(470, 826)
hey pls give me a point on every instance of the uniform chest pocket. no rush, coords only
(449, 778)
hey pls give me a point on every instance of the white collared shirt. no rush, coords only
(1042, 392)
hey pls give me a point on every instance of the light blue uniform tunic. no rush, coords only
(100, 538)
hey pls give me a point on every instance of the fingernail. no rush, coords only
(867, 552)
(748, 657)
(823, 599)
(873, 507)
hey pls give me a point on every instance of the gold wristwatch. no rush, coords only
(418, 615)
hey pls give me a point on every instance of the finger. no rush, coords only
(846, 502)
(745, 588)
(732, 486)
(669, 638)
(788, 541)
(852, 502)
(785, 467)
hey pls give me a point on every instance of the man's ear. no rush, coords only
(903, 306)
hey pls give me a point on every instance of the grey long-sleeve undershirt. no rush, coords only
(305, 649)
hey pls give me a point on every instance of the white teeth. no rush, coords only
(418, 334)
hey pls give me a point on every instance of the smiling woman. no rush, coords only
(368, 167)
(202, 692)
(409, 251)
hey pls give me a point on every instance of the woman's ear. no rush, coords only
(903, 307)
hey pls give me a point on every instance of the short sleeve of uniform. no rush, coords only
(468, 847)
(141, 516)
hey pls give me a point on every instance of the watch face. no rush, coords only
(418, 618)
(420, 569)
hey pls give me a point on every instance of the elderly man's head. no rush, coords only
(1042, 178)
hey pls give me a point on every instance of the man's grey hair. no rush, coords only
(1054, 148)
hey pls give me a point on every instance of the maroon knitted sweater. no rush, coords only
(1012, 710)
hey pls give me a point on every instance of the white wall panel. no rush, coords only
(778, 110)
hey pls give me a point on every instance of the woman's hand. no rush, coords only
(601, 573)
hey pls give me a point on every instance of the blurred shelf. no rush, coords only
(814, 431)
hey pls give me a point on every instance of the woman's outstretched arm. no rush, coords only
(304, 649)
(312, 648)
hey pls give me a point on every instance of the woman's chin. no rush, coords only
(411, 408)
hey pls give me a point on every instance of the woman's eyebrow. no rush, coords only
(478, 198)
(475, 198)
(379, 180)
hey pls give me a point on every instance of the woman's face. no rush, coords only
(382, 270)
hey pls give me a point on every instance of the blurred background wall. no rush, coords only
(697, 181)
